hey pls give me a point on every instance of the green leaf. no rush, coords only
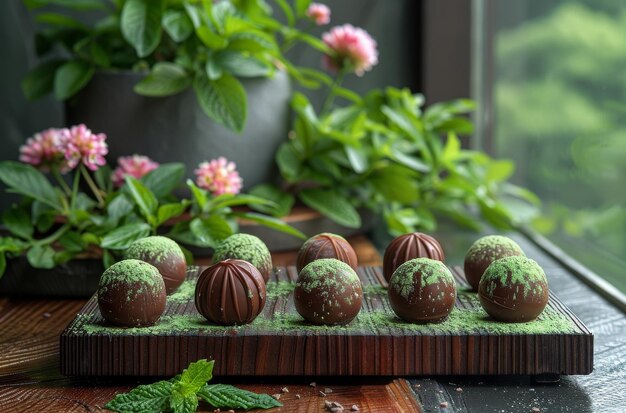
(224, 396)
(213, 70)
(301, 7)
(288, 162)
(183, 404)
(153, 397)
(228, 200)
(396, 183)
(177, 24)
(169, 211)
(71, 77)
(121, 238)
(211, 39)
(283, 201)
(41, 256)
(28, 181)
(18, 221)
(358, 159)
(62, 20)
(200, 195)
(72, 241)
(409, 161)
(40, 81)
(10, 244)
(107, 259)
(253, 41)
(286, 8)
(211, 230)
(164, 179)
(452, 150)
(237, 64)
(223, 100)
(80, 5)
(195, 376)
(271, 222)
(141, 24)
(499, 170)
(3, 264)
(143, 197)
(119, 207)
(333, 205)
(165, 79)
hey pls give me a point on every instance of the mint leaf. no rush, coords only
(223, 100)
(333, 205)
(145, 398)
(195, 376)
(141, 24)
(226, 396)
(183, 404)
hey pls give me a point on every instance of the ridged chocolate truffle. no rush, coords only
(514, 290)
(230, 292)
(326, 245)
(407, 247)
(328, 291)
(131, 293)
(248, 248)
(165, 255)
(485, 251)
(422, 291)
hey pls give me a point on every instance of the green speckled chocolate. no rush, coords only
(157, 248)
(430, 272)
(483, 252)
(248, 248)
(129, 272)
(515, 271)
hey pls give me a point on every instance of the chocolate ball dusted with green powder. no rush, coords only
(326, 245)
(485, 251)
(248, 248)
(328, 291)
(165, 255)
(422, 291)
(513, 289)
(131, 293)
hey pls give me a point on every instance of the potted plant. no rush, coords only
(176, 80)
(77, 215)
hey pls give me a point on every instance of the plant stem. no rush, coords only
(61, 181)
(331, 94)
(94, 188)
(74, 190)
(54, 236)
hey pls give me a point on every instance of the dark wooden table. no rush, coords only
(30, 380)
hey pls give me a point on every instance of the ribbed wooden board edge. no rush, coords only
(312, 353)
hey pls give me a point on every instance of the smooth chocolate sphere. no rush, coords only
(165, 255)
(407, 247)
(485, 251)
(230, 292)
(422, 291)
(326, 245)
(513, 289)
(248, 248)
(328, 291)
(131, 293)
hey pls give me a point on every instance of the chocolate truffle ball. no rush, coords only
(248, 248)
(326, 245)
(513, 289)
(230, 292)
(422, 291)
(409, 246)
(131, 293)
(165, 255)
(485, 251)
(328, 291)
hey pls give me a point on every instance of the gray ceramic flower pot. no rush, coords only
(174, 128)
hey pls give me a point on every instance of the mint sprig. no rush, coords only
(230, 397)
(180, 394)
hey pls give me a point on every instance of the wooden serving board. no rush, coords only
(280, 343)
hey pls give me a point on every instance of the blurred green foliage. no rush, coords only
(560, 99)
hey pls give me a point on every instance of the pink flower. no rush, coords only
(135, 166)
(45, 149)
(86, 147)
(219, 176)
(354, 49)
(319, 13)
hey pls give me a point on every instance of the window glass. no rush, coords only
(559, 110)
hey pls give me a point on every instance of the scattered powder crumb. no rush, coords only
(46, 315)
(284, 390)
(276, 396)
(328, 390)
(535, 410)
(443, 404)
(354, 408)
(313, 384)
(298, 396)
(440, 391)
(333, 406)
(322, 394)
(459, 389)
(419, 386)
